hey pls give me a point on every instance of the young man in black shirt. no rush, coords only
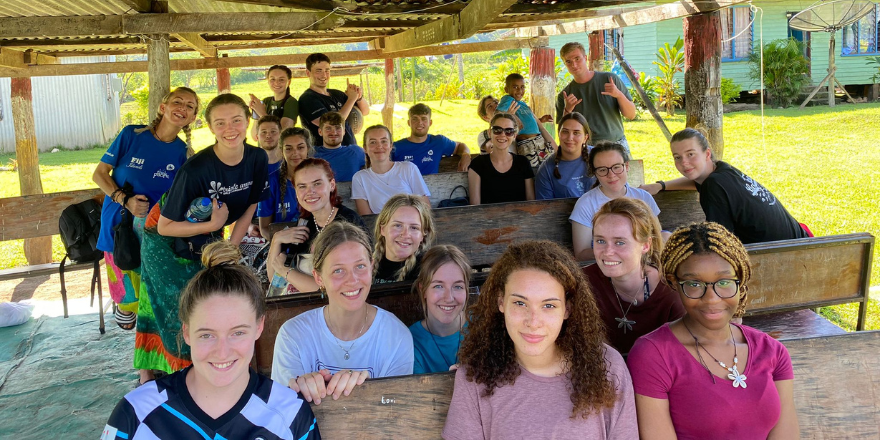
(319, 99)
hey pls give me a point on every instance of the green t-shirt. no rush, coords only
(282, 109)
(601, 111)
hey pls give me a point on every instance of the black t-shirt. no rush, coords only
(313, 104)
(204, 175)
(343, 213)
(387, 271)
(745, 207)
(498, 187)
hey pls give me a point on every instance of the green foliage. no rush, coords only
(650, 85)
(138, 112)
(786, 71)
(876, 62)
(514, 64)
(670, 60)
(729, 90)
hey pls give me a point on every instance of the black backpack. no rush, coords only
(79, 226)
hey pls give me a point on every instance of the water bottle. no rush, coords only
(277, 287)
(200, 210)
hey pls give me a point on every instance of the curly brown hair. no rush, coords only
(487, 351)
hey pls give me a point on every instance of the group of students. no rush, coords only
(540, 324)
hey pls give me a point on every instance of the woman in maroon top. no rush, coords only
(626, 278)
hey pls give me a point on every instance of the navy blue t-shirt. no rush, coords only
(313, 104)
(425, 155)
(273, 204)
(204, 175)
(345, 160)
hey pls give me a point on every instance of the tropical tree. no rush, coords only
(786, 71)
(670, 60)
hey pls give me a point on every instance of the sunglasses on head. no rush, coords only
(498, 130)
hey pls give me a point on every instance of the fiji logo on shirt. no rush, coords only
(136, 163)
(162, 174)
(170, 167)
(429, 157)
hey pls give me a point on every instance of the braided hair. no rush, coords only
(394, 203)
(585, 152)
(704, 238)
(282, 172)
(187, 129)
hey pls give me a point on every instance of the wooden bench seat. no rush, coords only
(836, 393)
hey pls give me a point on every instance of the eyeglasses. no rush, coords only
(603, 171)
(498, 130)
(695, 289)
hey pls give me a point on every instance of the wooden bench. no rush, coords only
(836, 393)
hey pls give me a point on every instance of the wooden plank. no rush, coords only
(12, 59)
(195, 41)
(702, 77)
(37, 215)
(796, 324)
(679, 9)
(40, 270)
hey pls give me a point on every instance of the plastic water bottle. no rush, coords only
(278, 286)
(200, 210)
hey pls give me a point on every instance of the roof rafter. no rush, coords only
(195, 41)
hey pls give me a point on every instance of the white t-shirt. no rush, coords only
(403, 178)
(589, 203)
(305, 345)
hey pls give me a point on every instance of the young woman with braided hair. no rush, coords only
(627, 279)
(147, 158)
(701, 363)
(566, 172)
(281, 104)
(534, 363)
(404, 230)
(282, 206)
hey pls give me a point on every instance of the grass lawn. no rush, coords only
(821, 163)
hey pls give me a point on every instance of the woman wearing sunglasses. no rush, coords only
(501, 176)
(609, 164)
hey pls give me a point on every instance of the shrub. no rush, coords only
(670, 60)
(876, 62)
(786, 71)
(651, 87)
(729, 90)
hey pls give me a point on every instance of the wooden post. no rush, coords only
(224, 81)
(159, 71)
(414, 61)
(597, 50)
(398, 66)
(369, 92)
(542, 83)
(388, 108)
(36, 250)
(702, 76)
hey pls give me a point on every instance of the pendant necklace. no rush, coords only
(739, 379)
(624, 322)
(318, 227)
(346, 356)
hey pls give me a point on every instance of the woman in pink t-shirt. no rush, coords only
(533, 362)
(703, 376)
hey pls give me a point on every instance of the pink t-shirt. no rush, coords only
(536, 407)
(662, 368)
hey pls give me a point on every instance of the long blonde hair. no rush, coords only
(434, 258)
(393, 204)
(187, 130)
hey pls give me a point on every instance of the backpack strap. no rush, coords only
(63, 287)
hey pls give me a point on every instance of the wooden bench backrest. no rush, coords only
(37, 215)
(836, 389)
(787, 275)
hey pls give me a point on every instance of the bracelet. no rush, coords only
(662, 185)
(113, 195)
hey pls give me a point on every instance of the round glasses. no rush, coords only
(603, 171)
(695, 289)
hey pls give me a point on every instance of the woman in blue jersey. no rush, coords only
(222, 313)
(566, 172)
(281, 205)
(146, 157)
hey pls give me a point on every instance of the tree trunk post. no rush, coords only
(224, 81)
(597, 51)
(542, 87)
(702, 76)
(159, 71)
(36, 250)
(388, 108)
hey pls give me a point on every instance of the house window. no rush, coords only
(613, 37)
(736, 22)
(860, 38)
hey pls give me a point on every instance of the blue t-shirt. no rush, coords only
(530, 125)
(573, 182)
(313, 104)
(272, 206)
(144, 161)
(345, 160)
(425, 155)
(273, 167)
(433, 354)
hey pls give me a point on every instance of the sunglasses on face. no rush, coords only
(498, 130)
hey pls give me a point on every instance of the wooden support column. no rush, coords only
(597, 50)
(159, 71)
(542, 82)
(388, 108)
(702, 76)
(224, 81)
(36, 250)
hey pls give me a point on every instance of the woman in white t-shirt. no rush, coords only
(328, 351)
(383, 178)
(609, 164)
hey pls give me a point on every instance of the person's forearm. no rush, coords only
(169, 228)
(239, 230)
(547, 136)
(627, 107)
(363, 106)
(346, 108)
(302, 282)
(104, 180)
(680, 184)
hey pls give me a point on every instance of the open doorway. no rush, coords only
(803, 36)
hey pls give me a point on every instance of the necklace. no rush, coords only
(624, 322)
(739, 379)
(319, 228)
(437, 346)
(346, 356)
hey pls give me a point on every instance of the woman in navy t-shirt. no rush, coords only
(281, 204)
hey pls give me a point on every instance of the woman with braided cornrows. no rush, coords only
(404, 230)
(147, 158)
(534, 363)
(690, 376)
(566, 172)
(281, 206)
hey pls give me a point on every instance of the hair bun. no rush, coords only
(220, 253)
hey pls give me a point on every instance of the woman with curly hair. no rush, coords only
(404, 230)
(702, 361)
(534, 363)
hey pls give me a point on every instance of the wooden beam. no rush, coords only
(679, 9)
(471, 19)
(84, 26)
(31, 57)
(702, 77)
(195, 41)
(266, 60)
(138, 5)
(13, 59)
(159, 72)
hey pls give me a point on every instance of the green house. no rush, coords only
(743, 28)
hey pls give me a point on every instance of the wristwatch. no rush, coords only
(662, 185)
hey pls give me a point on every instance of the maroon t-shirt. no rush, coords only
(663, 305)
